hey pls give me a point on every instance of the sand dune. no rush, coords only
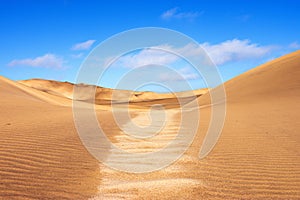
(41, 155)
(256, 157)
(104, 96)
(62, 89)
(273, 80)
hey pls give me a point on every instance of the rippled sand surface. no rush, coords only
(256, 157)
(41, 155)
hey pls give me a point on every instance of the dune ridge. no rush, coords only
(105, 95)
(256, 157)
(41, 155)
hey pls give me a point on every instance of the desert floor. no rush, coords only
(256, 157)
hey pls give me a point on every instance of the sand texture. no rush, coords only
(256, 157)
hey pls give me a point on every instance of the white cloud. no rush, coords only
(235, 50)
(175, 14)
(225, 52)
(294, 45)
(84, 45)
(149, 56)
(182, 74)
(45, 61)
(79, 55)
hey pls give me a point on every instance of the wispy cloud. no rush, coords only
(45, 61)
(236, 50)
(294, 45)
(182, 74)
(149, 56)
(76, 56)
(175, 13)
(83, 45)
(221, 53)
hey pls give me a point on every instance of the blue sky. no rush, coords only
(50, 39)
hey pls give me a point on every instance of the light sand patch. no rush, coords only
(257, 156)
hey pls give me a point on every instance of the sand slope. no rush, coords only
(105, 95)
(40, 153)
(257, 156)
(258, 153)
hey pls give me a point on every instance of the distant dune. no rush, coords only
(256, 157)
(104, 96)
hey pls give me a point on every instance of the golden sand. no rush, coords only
(256, 157)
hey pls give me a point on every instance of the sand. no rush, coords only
(256, 157)
(106, 95)
(41, 155)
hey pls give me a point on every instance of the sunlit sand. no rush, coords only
(256, 157)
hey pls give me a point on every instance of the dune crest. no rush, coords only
(105, 95)
(256, 156)
(41, 155)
